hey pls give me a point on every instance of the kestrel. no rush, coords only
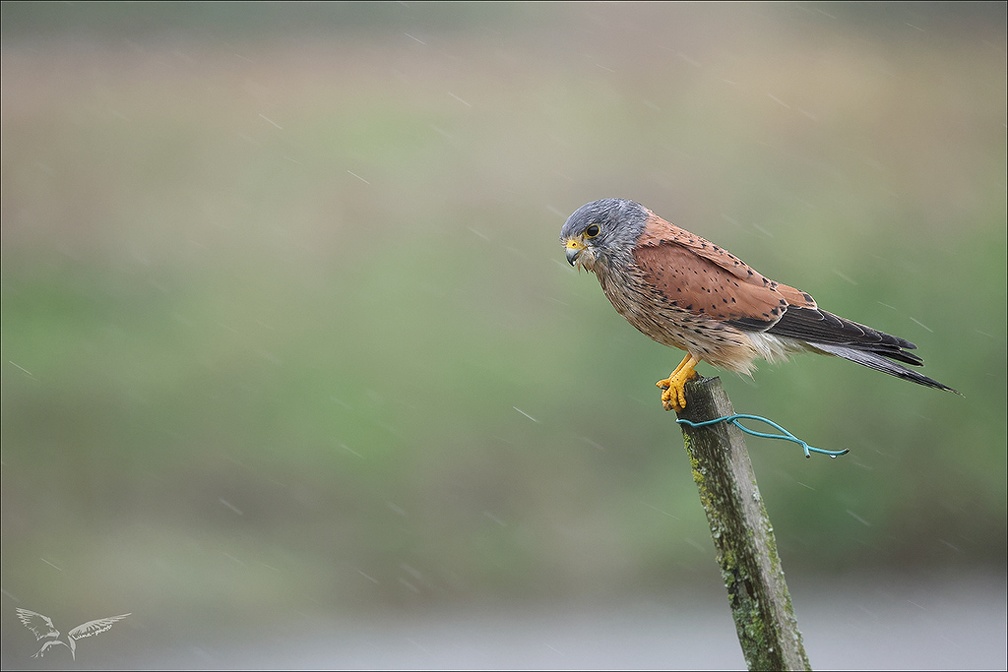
(42, 627)
(685, 292)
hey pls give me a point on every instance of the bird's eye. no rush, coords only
(592, 230)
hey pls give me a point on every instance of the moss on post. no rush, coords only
(742, 533)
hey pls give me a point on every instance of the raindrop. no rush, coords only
(525, 414)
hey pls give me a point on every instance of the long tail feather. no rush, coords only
(880, 363)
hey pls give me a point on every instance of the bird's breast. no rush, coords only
(652, 313)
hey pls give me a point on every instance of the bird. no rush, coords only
(42, 627)
(685, 292)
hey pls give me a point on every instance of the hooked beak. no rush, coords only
(575, 246)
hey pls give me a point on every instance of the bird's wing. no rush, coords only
(707, 280)
(704, 279)
(753, 300)
(52, 643)
(658, 231)
(820, 327)
(711, 279)
(95, 627)
(41, 625)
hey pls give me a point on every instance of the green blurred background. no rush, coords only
(288, 334)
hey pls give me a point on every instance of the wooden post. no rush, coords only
(742, 533)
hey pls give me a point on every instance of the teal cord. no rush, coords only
(786, 435)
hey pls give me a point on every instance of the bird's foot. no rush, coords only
(673, 396)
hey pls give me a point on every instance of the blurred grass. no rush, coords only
(285, 320)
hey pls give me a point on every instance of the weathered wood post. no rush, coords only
(742, 533)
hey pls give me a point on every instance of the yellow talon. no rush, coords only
(674, 395)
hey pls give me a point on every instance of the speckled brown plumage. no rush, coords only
(683, 291)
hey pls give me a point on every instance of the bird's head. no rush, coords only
(602, 230)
